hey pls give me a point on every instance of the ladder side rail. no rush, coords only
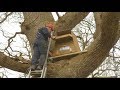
(43, 74)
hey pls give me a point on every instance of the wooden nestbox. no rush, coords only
(65, 46)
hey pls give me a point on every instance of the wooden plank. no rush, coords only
(66, 56)
(63, 36)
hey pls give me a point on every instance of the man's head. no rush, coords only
(50, 25)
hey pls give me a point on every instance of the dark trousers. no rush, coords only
(39, 54)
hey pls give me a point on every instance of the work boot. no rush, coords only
(39, 67)
(33, 67)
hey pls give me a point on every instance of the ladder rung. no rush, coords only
(36, 72)
(40, 73)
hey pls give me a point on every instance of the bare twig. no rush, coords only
(27, 47)
(6, 15)
(58, 15)
(10, 40)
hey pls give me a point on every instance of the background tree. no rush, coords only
(81, 65)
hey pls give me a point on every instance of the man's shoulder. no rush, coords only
(42, 29)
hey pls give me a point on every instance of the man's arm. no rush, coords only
(53, 37)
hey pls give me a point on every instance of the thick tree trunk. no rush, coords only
(33, 21)
(98, 20)
(81, 65)
(29, 28)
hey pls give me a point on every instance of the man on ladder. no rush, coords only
(40, 46)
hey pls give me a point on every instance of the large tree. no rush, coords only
(106, 35)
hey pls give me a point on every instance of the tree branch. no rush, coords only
(83, 65)
(69, 21)
(58, 15)
(6, 16)
(11, 39)
(11, 63)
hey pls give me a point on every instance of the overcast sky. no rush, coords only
(10, 28)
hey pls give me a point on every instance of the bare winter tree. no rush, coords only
(111, 66)
(105, 37)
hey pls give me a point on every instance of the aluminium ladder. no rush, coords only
(40, 73)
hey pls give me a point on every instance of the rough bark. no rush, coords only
(29, 30)
(12, 63)
(33, 21)
(69, 21)
(98, 20)
(29, 27)
(82, 65)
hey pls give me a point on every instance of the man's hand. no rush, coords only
(50, 53)
(53, 37)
